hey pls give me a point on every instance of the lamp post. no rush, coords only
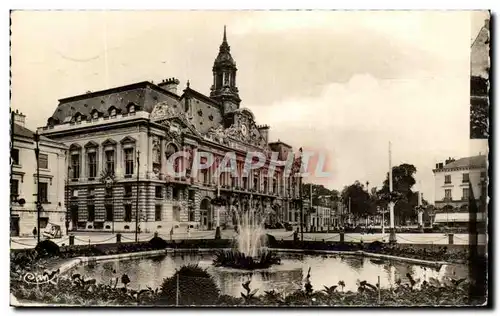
(392, 231)
(38, 201)
(137, 200)
(218, 202)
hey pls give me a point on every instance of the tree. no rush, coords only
(403, 180)
(359, 199)
(320, 194)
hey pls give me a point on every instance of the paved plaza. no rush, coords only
(85, 238)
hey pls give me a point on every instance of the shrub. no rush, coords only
(47, 248)
(196, 287)
(375, 246)
(158, 243)
(239, 260)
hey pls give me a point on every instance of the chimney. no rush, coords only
(264, 132)
(170, 85)
(19, 118)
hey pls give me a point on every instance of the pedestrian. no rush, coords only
(171, 233)
(34, 232)
(189, 233)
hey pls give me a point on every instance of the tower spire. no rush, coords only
(224, 70)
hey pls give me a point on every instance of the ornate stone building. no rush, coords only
(121, 139)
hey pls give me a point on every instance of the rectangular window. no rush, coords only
(447, 194)
(75, 165)
(43, 161)
(483, 174)
(176, 213)
(110, 161)
(44, 192)
(128, 213)
(158, 193)
(128, 190)
(92, 165)
(90, 212)
(465, 178)
(206, 177)
(14, 189)
(109, 212)
(109, 193)
(465, 193)
(158, 213)
(175, 194)
(129, 161)
(14, 154)
(447, 179)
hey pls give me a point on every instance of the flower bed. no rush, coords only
(192, 282)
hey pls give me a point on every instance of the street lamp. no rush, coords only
(38, 200)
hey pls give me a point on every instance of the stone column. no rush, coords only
(149, 154)
(100, 160)
(119, 160)
(163, 157)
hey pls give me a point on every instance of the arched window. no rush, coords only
(171, 149)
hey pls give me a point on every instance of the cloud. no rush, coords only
(425, 119)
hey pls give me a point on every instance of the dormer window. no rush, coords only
(95, 115)
(112, 112)
(78, 118)
(131, 108)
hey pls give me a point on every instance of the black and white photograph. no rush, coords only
(279, 158)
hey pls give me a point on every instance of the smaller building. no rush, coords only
(458, 183)
(321, 218)
(23, 181)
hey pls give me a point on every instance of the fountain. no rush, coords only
(250, 252)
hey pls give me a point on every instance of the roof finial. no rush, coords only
(224, 40)
(187, 84)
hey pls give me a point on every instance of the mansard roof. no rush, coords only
(142, 94)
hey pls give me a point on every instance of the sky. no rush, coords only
(344, 83)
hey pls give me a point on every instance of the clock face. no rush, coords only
(244, 130)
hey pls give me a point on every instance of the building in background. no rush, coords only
(23, 182)
(456, 181)
(120, 141)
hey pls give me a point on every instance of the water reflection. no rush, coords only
(287, 277)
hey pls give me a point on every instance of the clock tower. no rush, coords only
(224, 87)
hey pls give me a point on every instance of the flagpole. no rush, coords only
(392, 236)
